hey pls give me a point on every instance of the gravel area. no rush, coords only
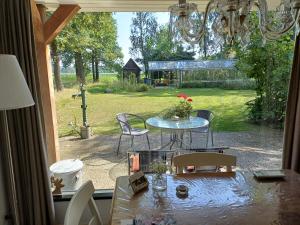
(257, 149)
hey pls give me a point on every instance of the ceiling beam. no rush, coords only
(59, 19)
(130, 5)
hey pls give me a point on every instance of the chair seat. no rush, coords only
(137, 132)
(200, 129)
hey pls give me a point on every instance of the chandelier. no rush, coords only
(232, 20)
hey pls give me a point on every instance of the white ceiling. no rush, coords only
(127, 5)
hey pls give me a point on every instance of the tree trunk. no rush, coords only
(93, 68)
(79, 68)
(205, 46)
(56, 66)
(146, 68)
(97, 69)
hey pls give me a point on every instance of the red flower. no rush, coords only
(189, 100)
(182, 95)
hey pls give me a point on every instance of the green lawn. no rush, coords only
(228, 106)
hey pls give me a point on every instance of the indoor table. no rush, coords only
(220, 198)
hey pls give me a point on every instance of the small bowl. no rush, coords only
(182, 191)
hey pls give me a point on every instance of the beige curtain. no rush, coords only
(21, 133)
(291, 147)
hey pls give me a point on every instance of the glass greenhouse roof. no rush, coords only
(191, 65)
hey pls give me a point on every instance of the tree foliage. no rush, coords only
(270, 65)
(150, 43)
(163, 49)
(143, 35)
(90, 39)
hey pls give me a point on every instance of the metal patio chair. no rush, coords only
(208, 115)
(127, 129)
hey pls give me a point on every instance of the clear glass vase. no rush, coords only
(159, 182)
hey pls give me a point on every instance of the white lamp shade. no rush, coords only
(14, 92)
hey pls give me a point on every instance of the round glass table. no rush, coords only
(177, 127)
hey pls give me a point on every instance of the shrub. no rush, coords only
(126, 85)
(132, 79)
(224, 84)
(142, 88)
(269, 64)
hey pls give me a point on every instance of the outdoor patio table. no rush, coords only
(213, 199)
(177, 127)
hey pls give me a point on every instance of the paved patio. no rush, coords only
(257, 149)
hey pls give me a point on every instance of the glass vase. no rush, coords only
(159, 182)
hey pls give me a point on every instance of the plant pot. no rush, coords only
(85, 132)
(159, 182)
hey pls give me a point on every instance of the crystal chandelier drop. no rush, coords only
(232, 20)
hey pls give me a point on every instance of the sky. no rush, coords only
(123, 24)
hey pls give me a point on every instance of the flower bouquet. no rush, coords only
(182, 110)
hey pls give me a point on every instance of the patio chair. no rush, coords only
(208, 115)
(126, 129)
(204, 159)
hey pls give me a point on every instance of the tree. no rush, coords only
(90, 38)
(209, 45)
(104, 46)
(143, 35)
(56, 66)
(269, 64)
(163, 49)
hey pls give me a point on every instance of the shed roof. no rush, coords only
(191, 65)
(132, 66)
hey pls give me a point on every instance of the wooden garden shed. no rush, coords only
(132, 67)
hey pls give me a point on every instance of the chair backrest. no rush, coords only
(123, 121)
(199, 159)
(79, 202)
(205, 114)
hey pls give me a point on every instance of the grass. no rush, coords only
(228, 105)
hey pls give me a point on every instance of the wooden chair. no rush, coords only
(81, 199)
(202, 159)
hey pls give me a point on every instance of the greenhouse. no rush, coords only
(190, 73)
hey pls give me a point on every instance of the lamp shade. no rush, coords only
(14, 92)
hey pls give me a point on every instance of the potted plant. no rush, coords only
(182, 110)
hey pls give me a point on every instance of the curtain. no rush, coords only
(291, 146)
(21, 133)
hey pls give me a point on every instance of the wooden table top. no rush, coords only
(233, 199)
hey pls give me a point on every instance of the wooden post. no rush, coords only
(45, 31)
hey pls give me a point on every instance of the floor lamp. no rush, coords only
(14, 94)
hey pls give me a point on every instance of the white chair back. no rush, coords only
(79, 202)
(203, 159)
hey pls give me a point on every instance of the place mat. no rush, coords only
(269, 174)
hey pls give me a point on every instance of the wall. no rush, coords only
(103, 206)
